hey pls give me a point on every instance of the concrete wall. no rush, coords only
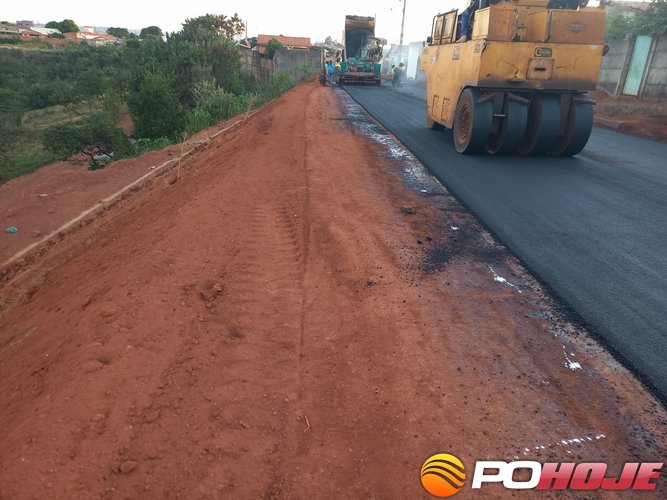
(615, 66)
(655, 79)
(291, 59)
(261, 68)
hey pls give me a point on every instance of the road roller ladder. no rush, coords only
(519, 81)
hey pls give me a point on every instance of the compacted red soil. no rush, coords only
(286, 317)
(629, 114)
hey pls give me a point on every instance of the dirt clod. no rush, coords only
(91, 366)
(211, 292)
(127, 466)
(235, 333)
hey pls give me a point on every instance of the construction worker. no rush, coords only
(375, 51)
(465, 21)
(398, 75)
(336, 73)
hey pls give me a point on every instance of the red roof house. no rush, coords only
(290, 42)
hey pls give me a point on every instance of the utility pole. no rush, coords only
(403, 22)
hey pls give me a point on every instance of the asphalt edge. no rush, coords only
(559, 303)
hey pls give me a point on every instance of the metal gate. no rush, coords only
(633, 80)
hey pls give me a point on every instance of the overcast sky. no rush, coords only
(291, 18)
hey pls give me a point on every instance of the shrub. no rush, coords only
(143, 145)
(94, 136)
(197, 119)
(155, 109)
(271, 47)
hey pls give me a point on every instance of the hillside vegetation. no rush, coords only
(54, 103)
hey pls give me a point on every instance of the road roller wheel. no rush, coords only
(433, 125)
(512, 129)
(542, 126)
(577, 130)
(472, 122)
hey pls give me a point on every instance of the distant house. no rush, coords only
(290, 42)
(34, 32)
(628, 9)
(91, 38)
(8, 30)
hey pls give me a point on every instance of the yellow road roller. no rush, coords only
(512, 76)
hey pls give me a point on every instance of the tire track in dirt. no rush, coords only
(338, 349)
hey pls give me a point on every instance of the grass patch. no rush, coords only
(13, 43)
(42, 118)
(144, 145)
(27, 155)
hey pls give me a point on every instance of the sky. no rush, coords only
(310, 18)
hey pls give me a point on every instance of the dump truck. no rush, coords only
(362, 52)
(516, 82)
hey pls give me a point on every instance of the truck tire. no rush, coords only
(472, 122)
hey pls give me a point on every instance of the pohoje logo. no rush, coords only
(443, 475)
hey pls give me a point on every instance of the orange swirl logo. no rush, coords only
(443, 475)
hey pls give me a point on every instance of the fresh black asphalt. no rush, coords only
(593, 227)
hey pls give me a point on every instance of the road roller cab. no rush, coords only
(518, 81)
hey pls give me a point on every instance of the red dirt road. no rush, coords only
(269, 326)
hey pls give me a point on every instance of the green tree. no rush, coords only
(211, 25)
(151, 32)
(155, 109)
(91, 83)
(652, 21)
(65, 26)
(68, 26)
(227, 70)
(621, 21)
(119, 32)
(272, 46)
(40, 95)
(617, 25)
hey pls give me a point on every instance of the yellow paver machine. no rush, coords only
(515, 81)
